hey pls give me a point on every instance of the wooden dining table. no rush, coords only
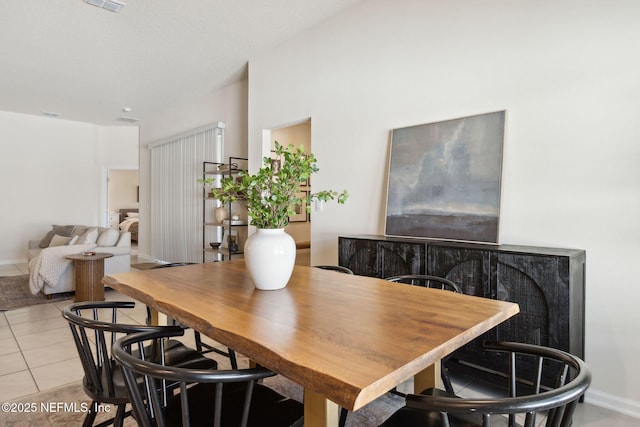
(346, 339)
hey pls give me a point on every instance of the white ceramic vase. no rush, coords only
(270, 255)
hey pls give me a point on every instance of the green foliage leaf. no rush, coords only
(271, 193)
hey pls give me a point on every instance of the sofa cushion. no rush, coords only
(108, 237)
(58, 240)
(89, 236)
(79, 230)
(61, 230)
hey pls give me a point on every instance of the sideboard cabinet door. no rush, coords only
(382, 258)
(359, 255)
(468, 268)
(547, 284)
(399, 258)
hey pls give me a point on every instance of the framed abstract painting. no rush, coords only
(445, 179)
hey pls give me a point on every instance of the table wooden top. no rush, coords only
(349, 338)
(89, 256)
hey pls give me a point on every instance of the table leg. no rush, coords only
(88, 280)
(319, 411)
(154, 318)
(430, 377)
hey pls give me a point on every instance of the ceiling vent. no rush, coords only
(128, 119)
(112, 5)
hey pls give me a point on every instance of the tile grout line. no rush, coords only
(21, 351)
(23, 358)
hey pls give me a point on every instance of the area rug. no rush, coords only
(59, 407)
(145, 265)
(63, 406)
(15, 293)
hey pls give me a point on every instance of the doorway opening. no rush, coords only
(123, 199)
(300, 224)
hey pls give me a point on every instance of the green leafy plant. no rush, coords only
(273, 192)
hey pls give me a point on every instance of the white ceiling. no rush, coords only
(87, 63)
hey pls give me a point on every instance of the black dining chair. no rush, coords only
(201, 346)
(338, 268)
(232, 398)
(529, 394)
(426, 281)
(433, 282)
(95, 328)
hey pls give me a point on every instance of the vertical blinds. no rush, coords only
(176, 196)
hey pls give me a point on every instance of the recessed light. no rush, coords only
(112, 5)
(50, 114)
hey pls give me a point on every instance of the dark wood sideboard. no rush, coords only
(547, 283)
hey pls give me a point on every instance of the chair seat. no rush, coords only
(268, 407)
(416, 417)
(176, 354)
(117, 397)
(181, 356)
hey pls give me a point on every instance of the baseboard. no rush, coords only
(13, 261)
(615, 403)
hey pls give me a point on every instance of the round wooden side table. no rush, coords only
(89, 271)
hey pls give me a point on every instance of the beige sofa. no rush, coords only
(49, 270)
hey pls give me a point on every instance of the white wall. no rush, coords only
(119, 148)
(567, 74)
(227, 105)
(53, 172)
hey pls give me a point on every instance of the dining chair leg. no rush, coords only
(91, 415)
(343, 417)
(120, 415)
(89, 419)
(446, 381)
(232, 358)
(205, 348)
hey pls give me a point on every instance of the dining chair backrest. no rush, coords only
(95, 328)
(202, 397)
(338, 268)
(426, 281)
(526, 393)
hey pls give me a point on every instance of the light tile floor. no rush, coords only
(37, 353)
